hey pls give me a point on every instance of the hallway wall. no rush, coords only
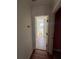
(55, 4)
(57, 32)
(24, 29)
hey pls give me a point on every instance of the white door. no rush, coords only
(41, 30)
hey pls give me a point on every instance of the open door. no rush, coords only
(41, 32)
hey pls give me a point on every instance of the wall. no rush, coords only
(55, 4)
(24, 34)
(57, 32)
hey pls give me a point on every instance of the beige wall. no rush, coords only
(24, 34)
(55, 4)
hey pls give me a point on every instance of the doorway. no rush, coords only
(41, 32)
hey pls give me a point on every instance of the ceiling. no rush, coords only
(40, 2)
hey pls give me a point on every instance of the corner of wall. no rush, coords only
(30, 54)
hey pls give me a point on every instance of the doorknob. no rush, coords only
(46, 33)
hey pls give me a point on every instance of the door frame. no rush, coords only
(35, 32)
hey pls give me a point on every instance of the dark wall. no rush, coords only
(57, 32)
